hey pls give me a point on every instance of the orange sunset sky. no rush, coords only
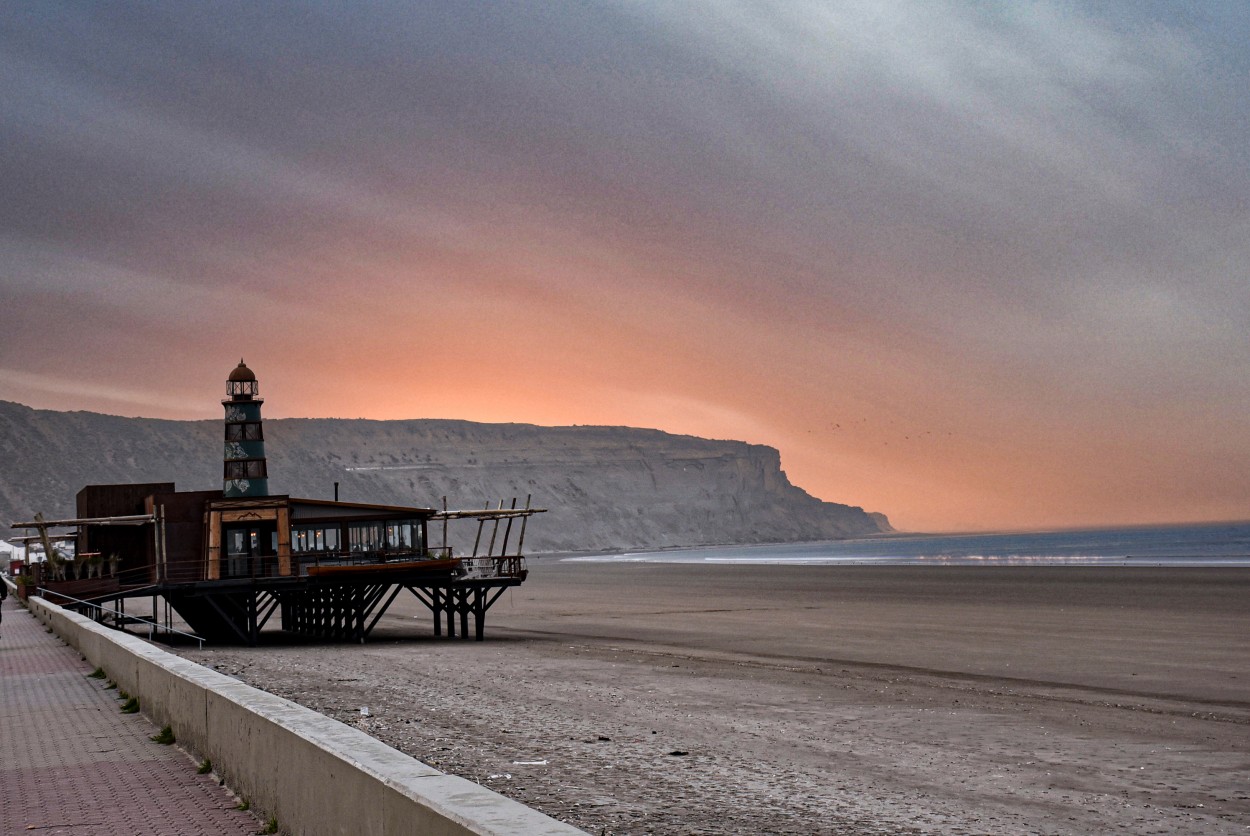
(973, 266)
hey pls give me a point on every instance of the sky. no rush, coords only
(973, 265)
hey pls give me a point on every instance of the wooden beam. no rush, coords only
(284, 543)
(214, 546)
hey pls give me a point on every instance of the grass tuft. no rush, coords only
(164, 737)
(243, 804)
(271, 826)
(110, 686)
(98, 673)
(205, 767)
(131, 706)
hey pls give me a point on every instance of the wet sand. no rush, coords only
(632, 698)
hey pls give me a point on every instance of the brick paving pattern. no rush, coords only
(72, 763)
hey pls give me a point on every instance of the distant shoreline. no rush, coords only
(900, 535)
(1207, 544)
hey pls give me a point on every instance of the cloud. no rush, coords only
(1011, 219)
(129, 396)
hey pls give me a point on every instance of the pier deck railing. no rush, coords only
(97, 612)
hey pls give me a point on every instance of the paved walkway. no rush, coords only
(72, 763)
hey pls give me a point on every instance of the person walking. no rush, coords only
(4, 594)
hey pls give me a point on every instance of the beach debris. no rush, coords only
(542, 762)
(364, 711)
(603, 738)
(677, 753)
(507, 776)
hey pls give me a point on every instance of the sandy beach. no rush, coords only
(630, 698)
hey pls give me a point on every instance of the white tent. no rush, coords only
(11, 551)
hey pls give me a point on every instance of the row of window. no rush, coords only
(360, 537)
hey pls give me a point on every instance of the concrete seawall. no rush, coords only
(314, 774)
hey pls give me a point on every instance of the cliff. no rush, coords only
(606, 487)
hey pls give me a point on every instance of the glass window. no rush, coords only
(244, 432)
(399, 535)
(246, 469)
(365, 537)
(403, 535)
(314, 538)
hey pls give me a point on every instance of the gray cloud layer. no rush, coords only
(1050, 193)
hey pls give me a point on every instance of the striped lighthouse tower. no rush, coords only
(245, 471)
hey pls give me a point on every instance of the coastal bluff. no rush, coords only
(606, 488)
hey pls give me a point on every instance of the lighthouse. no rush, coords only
(245, 471)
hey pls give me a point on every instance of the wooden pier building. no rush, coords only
(228, 560)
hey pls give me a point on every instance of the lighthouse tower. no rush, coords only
(245, 471)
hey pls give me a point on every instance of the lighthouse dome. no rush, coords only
(241, 373)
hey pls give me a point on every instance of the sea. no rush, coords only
(1206, 544)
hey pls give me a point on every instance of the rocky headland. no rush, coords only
(605, 487)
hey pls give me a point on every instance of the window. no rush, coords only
(242, 387)
(365, 537)
(399, 535)
(404, 535)
(314, 538)
(246, 469)
(244, 432)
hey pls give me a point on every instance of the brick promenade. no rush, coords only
(72, 763)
